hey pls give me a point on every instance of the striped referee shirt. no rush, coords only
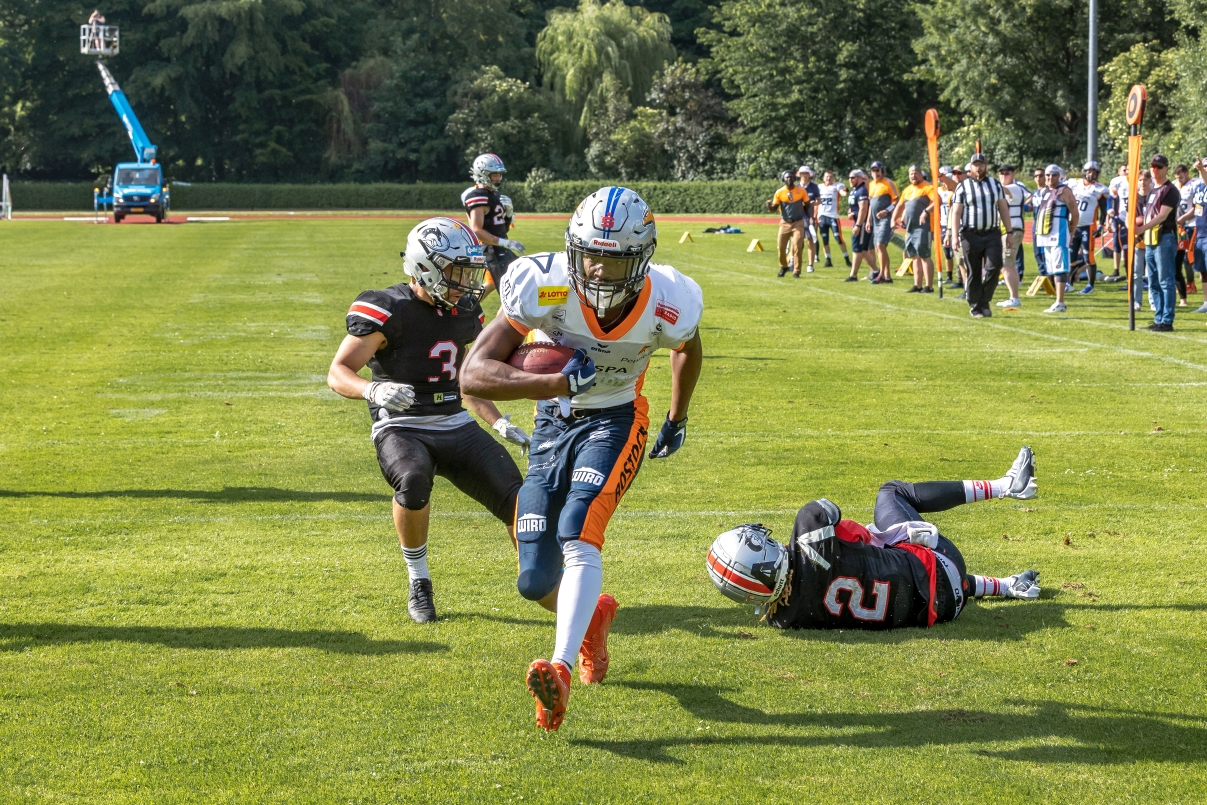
(980, 203)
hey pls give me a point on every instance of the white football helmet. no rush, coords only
(444, 255)
(747, 566)
(484, 165)
(612, 222)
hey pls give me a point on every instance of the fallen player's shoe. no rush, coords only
(1023, 585)
(593, 655)
(549, 684)
(1022, 476)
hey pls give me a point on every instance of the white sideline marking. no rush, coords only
(980, 323)
(88, 219)
(204, 219)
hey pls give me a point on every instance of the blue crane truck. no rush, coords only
(138, 188)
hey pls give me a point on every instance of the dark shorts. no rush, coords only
(578, 470)
(827, 225)
(882, 230)
(861, 240)
(469, 457)
(917, 243)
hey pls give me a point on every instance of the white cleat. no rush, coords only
(1014, 302)
(1057, 307)
(1023, 585)
(1022, 476)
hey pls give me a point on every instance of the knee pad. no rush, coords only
(414, 491)
(534, 583)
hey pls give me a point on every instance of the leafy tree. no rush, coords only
(827, 80)
(694, 127)
(593, 50)
(623, 142)
(1157, 69)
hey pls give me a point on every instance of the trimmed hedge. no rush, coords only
(735, 197)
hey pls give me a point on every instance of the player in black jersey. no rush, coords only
(414, 336)
(898, 571)
(490, 215)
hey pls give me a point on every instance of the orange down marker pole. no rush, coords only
(1137, 100)
(936, 223)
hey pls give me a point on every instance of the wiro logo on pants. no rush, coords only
(588, 475)
(530, 524)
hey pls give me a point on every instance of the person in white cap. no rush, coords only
(805, 173)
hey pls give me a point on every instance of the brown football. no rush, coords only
(540, 359)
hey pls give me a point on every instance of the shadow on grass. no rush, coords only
(228, 494)
(1098, 735)
(19, 636)
(1014, 621)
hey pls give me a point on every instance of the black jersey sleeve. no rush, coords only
(474, 197)
(372, 312)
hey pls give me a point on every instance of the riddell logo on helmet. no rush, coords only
(606, 244)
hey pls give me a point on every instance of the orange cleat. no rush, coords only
(593, 655)
(549, 684)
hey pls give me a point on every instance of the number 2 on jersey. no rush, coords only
(854, 601)
(449, 366)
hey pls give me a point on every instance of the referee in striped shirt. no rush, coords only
(979, 204)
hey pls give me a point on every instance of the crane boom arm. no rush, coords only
(144, 149)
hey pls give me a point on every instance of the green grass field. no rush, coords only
(202, 598)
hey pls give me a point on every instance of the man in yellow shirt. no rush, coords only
(882, 196)
(914, 211)
(790, 200)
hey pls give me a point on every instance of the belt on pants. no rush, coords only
(554, 410)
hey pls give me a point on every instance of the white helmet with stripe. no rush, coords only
(484, 165)
(613, 224)
(747, 566)
(445, 256)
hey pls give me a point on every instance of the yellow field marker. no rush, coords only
(1042, 282)
(755, 246)
(687, 238)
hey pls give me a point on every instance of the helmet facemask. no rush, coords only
(623, 275)
(464, 274)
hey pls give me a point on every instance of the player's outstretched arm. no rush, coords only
(499, 423)
(486, 373)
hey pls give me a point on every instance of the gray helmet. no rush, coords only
(444, 255)
(611, 222)
(747, 566)
(484, 165)
(1092, 165)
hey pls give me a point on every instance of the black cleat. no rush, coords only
(783, 271)
(420, 606)
(828, 263)
(846, 260)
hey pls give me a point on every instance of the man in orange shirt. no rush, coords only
(882, 197)
(790, 200)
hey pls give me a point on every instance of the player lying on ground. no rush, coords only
(414, 337)
(604, 298)
(898, 571)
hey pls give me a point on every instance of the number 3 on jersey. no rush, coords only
(449, 366)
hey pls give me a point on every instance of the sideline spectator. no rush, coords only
(980, 208)
(827, 215)
(945, 191)
(882, 194)
(861, 234)
(1117, 192)
(805, 173)
(1012, 245)
(1055, 220)
(1161, 242)
(1186, 187)
(1198, 203)
(790, 200)
(914, 211)
(1091, 205)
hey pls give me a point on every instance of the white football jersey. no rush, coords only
(1017, 197)
(537, 298)
(1118, 188)
(827, 205)
(1087, 195)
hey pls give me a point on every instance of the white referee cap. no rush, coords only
(805, 169)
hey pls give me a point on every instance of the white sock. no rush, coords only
(416, 559)
(988, 586)
(985, 490)
(582, 582)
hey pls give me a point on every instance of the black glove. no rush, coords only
(670, 438)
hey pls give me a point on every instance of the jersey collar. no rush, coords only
(626, 323)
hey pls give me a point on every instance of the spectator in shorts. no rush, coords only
(1184, 270)
(914, 211)
(1056, 220)
(791, 201)
(882, 194)
(1012, 245)
(861, 235)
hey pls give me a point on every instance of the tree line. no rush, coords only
(411, 90)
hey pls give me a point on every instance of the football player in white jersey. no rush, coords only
(1017, 196)
(827, 215)
(1091, 208)
(604, 298)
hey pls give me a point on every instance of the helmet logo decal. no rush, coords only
(608, 221)
(607, 244)
(435, 240)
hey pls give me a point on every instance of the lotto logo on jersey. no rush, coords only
(552, 295)
(587, 475)
(668, 313)
(530, 524)
(605, 244)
